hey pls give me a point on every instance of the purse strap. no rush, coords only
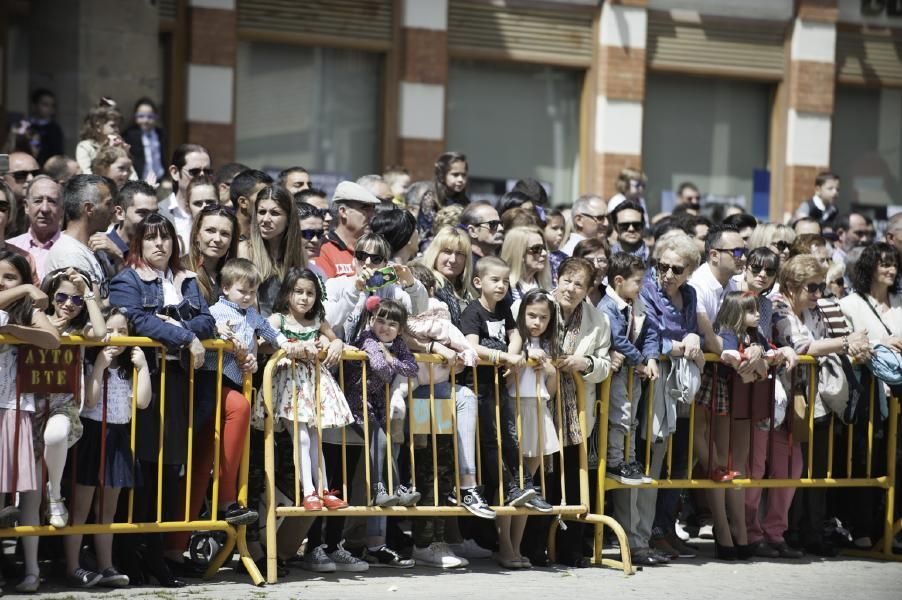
(876, 314)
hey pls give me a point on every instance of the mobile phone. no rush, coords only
(4, 163)
(381, 278)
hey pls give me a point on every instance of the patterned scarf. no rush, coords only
(568, 336)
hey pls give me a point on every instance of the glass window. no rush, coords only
(866, 146)
(516, 121)
(315, 107)
(712, 132)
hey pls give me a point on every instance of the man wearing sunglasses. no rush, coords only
(313, 233)
(629, 221)
(590, 220)
(481, 221)
(354, 208)
(188, 161)
(44, 207)
(23, 168)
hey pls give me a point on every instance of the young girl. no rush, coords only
(108, 398)
(299, 314)
(73, 310)
(737, 325)
(19, 471)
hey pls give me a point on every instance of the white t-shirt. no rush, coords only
(69, 252)
(119, 399)
(709, 292)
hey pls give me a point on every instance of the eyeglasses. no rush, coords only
(755, 269)
(62, 298)
(627, 225)
(596, 218)
(537, 250)
(209, 208)
(782, 246)
(664, 267)
(839, 281)
(597, 260)
(22, 176)
(197, 172)
(819, 288)
(375, 259)
(736, 252)
(492, 225)
(311, 234)
(637, 184)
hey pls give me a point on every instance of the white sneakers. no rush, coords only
(438, 554)
(470, 549)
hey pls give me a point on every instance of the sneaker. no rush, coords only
(472, 500)
(83, 578)
(518, 496)
(639, 470)
(317, 561)
(382, 498)
(236, 515)
(347, 562)
(470, 549)
(407, 496)
(113, 579)
(538, 503)
(681, 533)
(706, 532)
(438, 554)
(9, 516)
(57, 514)
(623, 474)
(386, 557)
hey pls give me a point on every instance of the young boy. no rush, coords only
(489, 326)
(634, 343)
(822, 206)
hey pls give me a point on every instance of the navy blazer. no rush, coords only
(133, 137)
(139, 291)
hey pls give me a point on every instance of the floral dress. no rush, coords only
(298, 379)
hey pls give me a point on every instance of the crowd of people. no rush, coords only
(539, 295)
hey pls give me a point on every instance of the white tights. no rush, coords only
(308, 451)
(56, 447)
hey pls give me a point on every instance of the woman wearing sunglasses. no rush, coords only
(374, 275)
(524, 250)
(777, 237)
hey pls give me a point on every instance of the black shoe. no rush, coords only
(472, 500)
(187, 569)
(644, 558)
(725, 552)
(519, 496)
(156, 568)
(784, 551)
(112, 578)
(9, 516)
(538, 503)
(659, 556)
(386, 557)
(83, 578)
(639, 471)
(236, 515)
(745, 552)
(624, 474)
(822, 548)
(765, 550)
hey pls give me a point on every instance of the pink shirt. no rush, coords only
(36, 249)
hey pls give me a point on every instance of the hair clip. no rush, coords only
(372, 303)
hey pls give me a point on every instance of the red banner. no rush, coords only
(49, 371)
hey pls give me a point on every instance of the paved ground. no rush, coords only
(691, 579)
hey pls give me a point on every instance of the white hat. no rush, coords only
(352, 192)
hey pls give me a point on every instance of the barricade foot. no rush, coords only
(625, 563)
(222, 556)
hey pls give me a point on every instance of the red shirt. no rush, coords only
(335, 258)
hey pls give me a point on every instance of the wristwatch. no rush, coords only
(590, 363)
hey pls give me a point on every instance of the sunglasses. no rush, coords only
(811, 288)
(4, 206)
(627, 225)
(536, 250)
(375, 259)
(736, 252)
(22, 176)
(755, 269)
(492, 225)
(782, 246)
(62, 298)
(596, 218)
(312, 234)
(197, 172)
(664, 267)
(839, 281)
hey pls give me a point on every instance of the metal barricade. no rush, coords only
(234, 537)
(829, 479)
(568, 509)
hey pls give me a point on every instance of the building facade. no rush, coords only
(750, 100)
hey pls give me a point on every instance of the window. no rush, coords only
(315, 107)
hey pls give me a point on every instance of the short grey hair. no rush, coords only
(83, 189)
(679, 242)
(369, 181)
(581, 205)
(41, 177)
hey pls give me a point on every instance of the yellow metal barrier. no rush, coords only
(579, 511)
(159, 525)
(886, 482)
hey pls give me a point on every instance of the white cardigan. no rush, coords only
(860, 317)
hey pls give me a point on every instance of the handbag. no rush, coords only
(832, 385)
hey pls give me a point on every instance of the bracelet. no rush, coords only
(845, 344)
(89, 296)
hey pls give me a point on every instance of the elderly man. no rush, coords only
(590, 220)
(353, 206)
(43, 205)
(482, 223)
(23, 168)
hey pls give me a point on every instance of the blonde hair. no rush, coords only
(513, 252)
(679, 242)
(105, 158)
(448, 216)
(623, 179)
(797, 270)
(452, 238)
(766, 234)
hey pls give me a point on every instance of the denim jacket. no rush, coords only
(139, 291)
(649, 338)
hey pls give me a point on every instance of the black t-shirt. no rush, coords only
(491, 327)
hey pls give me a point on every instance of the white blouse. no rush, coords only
(861, 316)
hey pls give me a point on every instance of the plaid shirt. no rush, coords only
(246, 326)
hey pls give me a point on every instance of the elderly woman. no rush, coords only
(671, 303)
(585, 343)
(598, 252)
(451, 260)
(800, 325)
(526, 254)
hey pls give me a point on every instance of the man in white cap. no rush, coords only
(354, 207)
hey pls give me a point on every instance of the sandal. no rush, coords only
(29, 585)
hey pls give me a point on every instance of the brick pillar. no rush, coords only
(212, 45)
(620, 92)
(422, 89)
(810, 82)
